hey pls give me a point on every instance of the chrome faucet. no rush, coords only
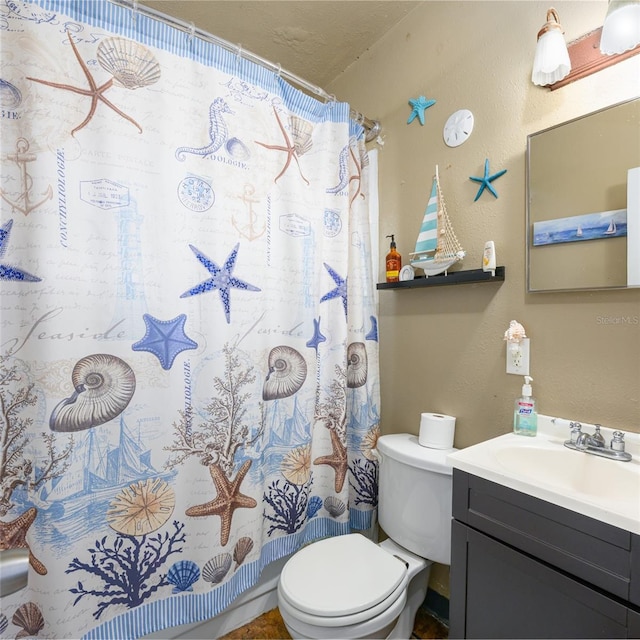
(595, 443)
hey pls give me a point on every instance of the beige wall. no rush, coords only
(441, 348)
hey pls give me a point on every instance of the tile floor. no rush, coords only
(270, 626)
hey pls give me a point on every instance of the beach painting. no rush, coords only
(588, 226)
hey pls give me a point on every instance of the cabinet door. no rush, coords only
(497, 592)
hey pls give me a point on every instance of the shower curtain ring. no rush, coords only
(192, 31)
(238, 54)
(278, 69)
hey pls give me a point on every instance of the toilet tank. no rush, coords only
(414, 499)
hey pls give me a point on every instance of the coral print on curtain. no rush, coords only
(189, 353)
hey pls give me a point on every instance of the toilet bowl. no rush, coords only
(358, 590)
(349, 587)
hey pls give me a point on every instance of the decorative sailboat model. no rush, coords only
(437, 247)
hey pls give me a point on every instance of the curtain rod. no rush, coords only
(372, 128)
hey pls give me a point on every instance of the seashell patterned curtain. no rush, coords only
(189, 352)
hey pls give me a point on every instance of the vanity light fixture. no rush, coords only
(617, 40)
(551, 62)
(621, 28)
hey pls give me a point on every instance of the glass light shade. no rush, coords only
(551, 62)
(621, 29)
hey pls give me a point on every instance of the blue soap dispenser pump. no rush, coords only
(525, 416)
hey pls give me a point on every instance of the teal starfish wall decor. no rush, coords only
(420, 105)
(486, 180)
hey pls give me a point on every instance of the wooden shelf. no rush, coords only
(454, 277)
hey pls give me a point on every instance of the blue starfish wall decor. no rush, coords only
(165, 339)
(486, 180)
(419, 105)
(221, 279)
(7, 272)
(340, 290)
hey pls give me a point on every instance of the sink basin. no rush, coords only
(604, 489)
(572, 471)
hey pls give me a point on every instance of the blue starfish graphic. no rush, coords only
(486, 180)
(317, 338)
(165, 339)
(340, 290)
(373, 334)
(420, 105)
(221, 279)
(7, 272)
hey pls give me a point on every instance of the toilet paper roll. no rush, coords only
(436, 430)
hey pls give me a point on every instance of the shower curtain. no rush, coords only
(189, 381)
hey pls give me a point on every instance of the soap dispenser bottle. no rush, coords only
(525, 416)
(393, 262)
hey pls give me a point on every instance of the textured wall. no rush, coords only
(442, 347)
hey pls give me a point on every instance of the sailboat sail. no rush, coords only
(428, 237)
(437, 247)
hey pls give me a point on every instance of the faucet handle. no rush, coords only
(617, 442)
(597, 437)
(576, 428)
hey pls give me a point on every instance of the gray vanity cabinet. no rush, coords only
(525, 568)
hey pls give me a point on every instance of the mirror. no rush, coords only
(583, 202)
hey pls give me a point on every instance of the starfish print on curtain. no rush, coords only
(227, 500)
(339, 291)
(165, 339)
(7, 271)
(122, 76)
(221, 279)
(301, 143)
(337, 460)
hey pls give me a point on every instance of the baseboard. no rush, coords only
(437, 605)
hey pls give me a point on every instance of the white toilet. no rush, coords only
(348, 586)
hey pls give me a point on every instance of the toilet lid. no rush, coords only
(340, 576)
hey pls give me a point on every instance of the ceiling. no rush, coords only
(313, 39)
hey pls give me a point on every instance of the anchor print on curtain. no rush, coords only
(189, 379)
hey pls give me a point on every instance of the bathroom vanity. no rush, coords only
(526, 564)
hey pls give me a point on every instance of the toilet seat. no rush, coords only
(342, 580)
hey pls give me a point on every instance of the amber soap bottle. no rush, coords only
(394, 262)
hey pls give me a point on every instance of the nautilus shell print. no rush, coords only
(131, 65)
(287, 373)
(103, 386)
(356, 365)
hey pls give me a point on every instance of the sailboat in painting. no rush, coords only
(611, 229)
(437, 247)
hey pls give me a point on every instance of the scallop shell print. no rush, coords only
(301, 131)
(217, 568)
(242, 550)
(131, 65)
(356, 365)
(142, 507)
(183, 575)
(287, 373)
(334, 506)
(104, 385)
(29, 618)
(370, 442)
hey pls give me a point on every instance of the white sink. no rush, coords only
(608, 490)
